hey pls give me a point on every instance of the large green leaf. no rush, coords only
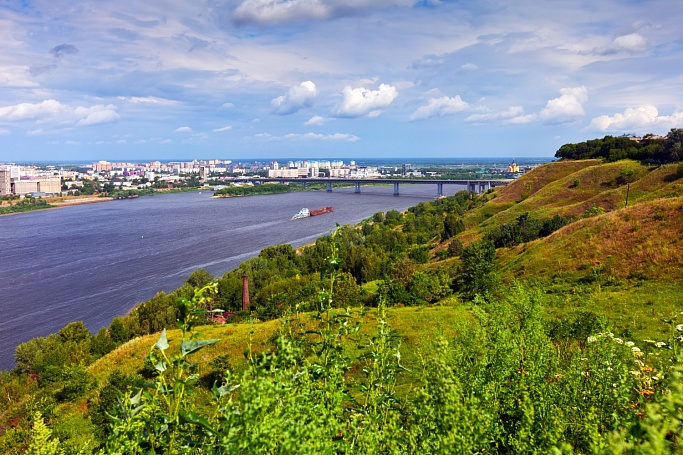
(188, 347)
(162, 342)
(195, 419)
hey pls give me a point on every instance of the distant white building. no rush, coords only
(289, 173)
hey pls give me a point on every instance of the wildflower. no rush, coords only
(630, 344)
(655, 378)
(639, 363)
(660, 344)
(619, 340)
(649, 341)
(679, 327)
(635, 349)
(647, 392)
(635, 373)
(592, 339)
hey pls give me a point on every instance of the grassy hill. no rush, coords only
(625, 264)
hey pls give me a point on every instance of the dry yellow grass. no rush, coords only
(644, 238)
(529, 184)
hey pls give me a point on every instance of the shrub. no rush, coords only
(593, 211)
(475, 275)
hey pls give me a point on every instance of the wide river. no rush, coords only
(93, 262)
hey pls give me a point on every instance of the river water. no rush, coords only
(94, 262)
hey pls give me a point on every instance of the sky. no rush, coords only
(254, 79)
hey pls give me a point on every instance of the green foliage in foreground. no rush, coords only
(504, 384)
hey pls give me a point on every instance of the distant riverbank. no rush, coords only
(54, 202)
(54, 205)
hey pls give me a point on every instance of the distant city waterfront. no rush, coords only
(96, 261)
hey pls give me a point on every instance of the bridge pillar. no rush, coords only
(329, 187)
(439, 189)
(395, 188)
(357, 190)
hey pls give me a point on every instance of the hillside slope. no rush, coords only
(642, 239)
(570, 188)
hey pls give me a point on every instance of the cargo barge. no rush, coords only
(304, 213)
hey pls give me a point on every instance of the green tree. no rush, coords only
(199, 278)
(673, 146)
(101, 344)
(74, 332)
(455, 248)
(452, 226)
(475, 275)
(118, 331)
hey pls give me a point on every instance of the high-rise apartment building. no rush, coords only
(5, 182)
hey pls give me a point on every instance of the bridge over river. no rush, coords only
(476, 186)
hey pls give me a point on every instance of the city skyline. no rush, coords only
(272, 79)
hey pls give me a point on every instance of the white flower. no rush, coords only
(679, 327)
(635, 349)
(630, 344)
(592, 339)
(635, 373)
(619, 340)
(660, 344)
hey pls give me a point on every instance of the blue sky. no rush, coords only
(240, 79)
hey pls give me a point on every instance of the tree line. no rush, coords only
(649, 149)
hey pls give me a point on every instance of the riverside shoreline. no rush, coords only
(62, 204)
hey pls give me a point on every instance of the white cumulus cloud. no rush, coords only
(440, 106)
(53, 111)
(183, 129)
(296, 98)
(96, 115)
(630, 43)
(315, 120)
(27, 111)
(567, 107)
(358, 102)
(637, 119)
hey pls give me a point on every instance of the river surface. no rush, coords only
(94, 262)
